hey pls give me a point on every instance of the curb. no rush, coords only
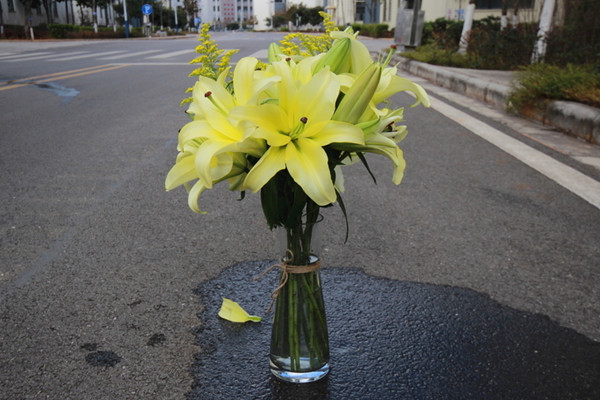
(572, 118)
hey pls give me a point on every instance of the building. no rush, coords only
(65, 12)
(258, 13)
(454, 9)
(219, 13)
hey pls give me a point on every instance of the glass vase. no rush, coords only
(299, 339)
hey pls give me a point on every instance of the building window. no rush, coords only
(360, 11)
(497, 4)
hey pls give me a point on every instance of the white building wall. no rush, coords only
(307, 3)
(342, 11)
(263, 10)
(451, 9)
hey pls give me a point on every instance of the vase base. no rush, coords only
(299, 377)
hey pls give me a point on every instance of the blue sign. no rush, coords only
(146, 9)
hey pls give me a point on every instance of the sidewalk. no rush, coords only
(493, 87)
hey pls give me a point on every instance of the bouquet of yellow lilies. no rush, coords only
(286, 128)
(294, 122)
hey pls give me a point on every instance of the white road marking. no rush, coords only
(139, 53)
(172, 54)
(11, 56)
(88, 55)
(45, 56)
(569, 178)
(264, 54)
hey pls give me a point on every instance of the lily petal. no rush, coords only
(193, 196)
(243, 77)
(269, 164)
(270, 117)
(205, 162)
(307, 163)
(232, 311)
(183, 171)
(316, 99)
(334, 132)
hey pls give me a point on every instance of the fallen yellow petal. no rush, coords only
(232, 311)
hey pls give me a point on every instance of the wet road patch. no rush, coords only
(394, 340)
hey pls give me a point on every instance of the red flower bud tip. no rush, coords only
(394, 46)
(208, 94)
(288, 59)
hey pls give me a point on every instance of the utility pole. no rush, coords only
(125, 17)
(413, 27)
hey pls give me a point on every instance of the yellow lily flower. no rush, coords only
(390, 84)
(232, 311)
(296, 130)
(212, 145)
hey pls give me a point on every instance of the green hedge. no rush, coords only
(69, 31)
(372, 30)
(61, 31)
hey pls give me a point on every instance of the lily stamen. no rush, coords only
(212, 99)
(299, 128)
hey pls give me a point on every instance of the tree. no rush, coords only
(545, 26)
(191, 9)
(464, 37)
(47, 4)
(302, 15)
(505, 5)
(27, 6)
(1, 20)
(66, 8)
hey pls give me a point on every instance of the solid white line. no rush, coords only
(569, 178)
(171, 54)
(90, 55)
(139, 53)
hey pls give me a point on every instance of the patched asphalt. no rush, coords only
(394, 340)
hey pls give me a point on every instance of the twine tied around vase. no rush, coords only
(287, 269)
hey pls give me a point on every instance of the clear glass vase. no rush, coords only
(299, 339)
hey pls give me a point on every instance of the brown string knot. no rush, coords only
(287, 269)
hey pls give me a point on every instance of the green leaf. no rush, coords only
(364, 161)
(343, 208)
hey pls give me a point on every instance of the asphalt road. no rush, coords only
(98, 264)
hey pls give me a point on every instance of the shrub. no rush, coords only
(442, 33)
(61, 31)
(371, 30)
(578, 39)
(490, 47)
(580, 83)
(432, 54)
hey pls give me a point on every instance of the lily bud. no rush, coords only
(274, 52)
(337, 58)
(358, 97)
